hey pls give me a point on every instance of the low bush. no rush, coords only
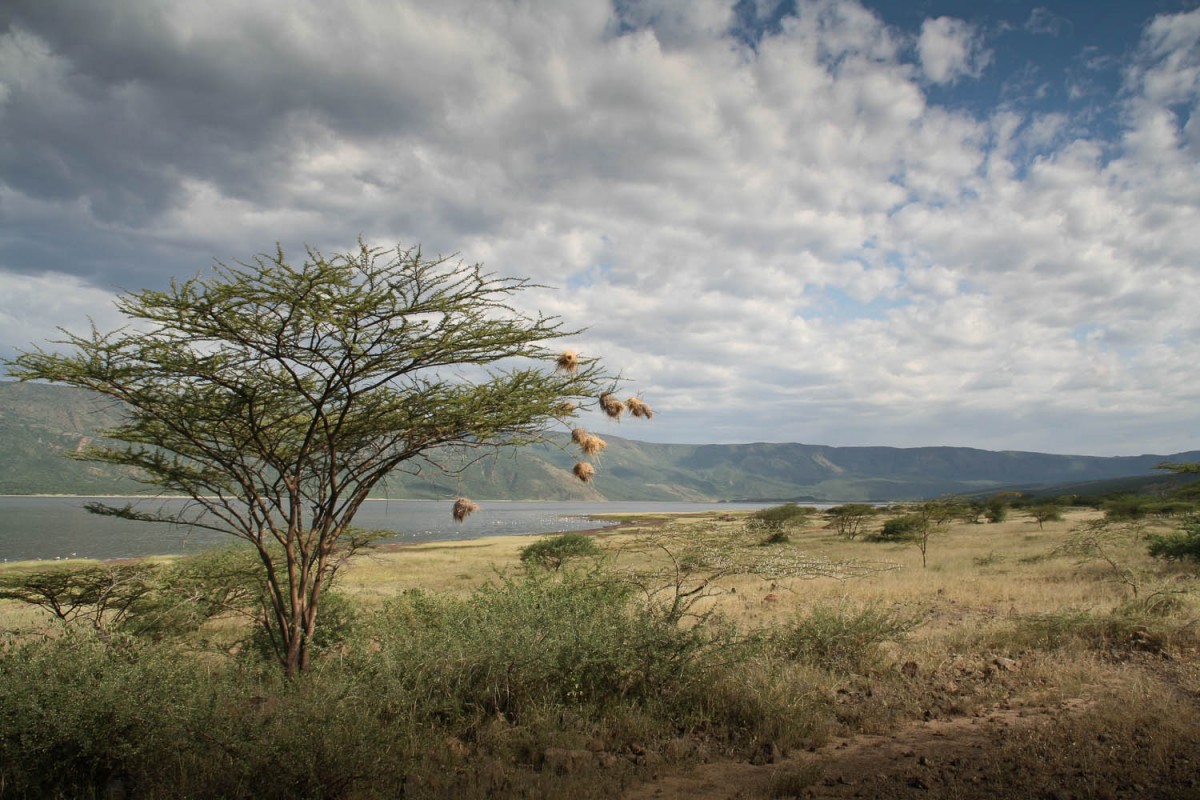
(773, 523)
(840, 638)
(521, 643)
(779, 516)
(1179, 545)
(902, 528)
(85, 716)
(555, 551)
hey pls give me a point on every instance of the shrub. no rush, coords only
(996, 512)
(81, 716)
(850, 519)
(521, 643)
(555, 551)
(779, 516)
(840, 638)
(773, 522)
(902, 528)
(1180, 545)
(1045, 512)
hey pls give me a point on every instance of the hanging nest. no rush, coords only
(584, 471)
(565, 409)
(611, 406)
(568, 361)
(589, 443)
(464, 508)
(638, 408)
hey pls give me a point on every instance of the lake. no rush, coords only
(60, 527)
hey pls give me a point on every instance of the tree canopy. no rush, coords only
(277, 396)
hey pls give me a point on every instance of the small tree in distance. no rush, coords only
(276, 397)
(922, 521)
(850, 519)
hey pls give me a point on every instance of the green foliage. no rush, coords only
(428, 698)
(920, 523)
(276, 397)
(1045, 512)
(840, 638)
(780, 516)
(1129, 507)
(773, 523)
(1138, 624)
(903, 528)
(1179, 545)
(519, 644)
(82, 717)
(996, 509)
(102, 597)
(144, 598)
(553, 552)
(850, 520)
(192, 590)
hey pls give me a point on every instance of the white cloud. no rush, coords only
(950, 49)
(35, 306)
(785, 242)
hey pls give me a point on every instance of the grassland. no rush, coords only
(1023, 661)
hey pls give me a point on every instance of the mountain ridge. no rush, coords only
(39, 423)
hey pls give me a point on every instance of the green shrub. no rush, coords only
(555, 551)
(1046, 512)
(1176, 546)
(840, 638)
(849, 520)
(902, 528)
(786, 514)
(996, 512)
(773, 523)
(1144, 623)
(337, 617)
(518, 644)
(1180, 545)
(81, 716)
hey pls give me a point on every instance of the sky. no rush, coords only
(889, 223)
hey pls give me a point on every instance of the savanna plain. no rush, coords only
(721, 655)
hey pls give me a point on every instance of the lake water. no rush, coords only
(60, 527)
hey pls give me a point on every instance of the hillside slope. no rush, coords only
(39, 424)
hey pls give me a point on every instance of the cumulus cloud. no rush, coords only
(950, 49)
(786, 240)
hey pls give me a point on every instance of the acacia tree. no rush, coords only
(277, 397)
(923, 520)
(850, 519)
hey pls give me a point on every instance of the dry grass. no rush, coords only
(1009, 628)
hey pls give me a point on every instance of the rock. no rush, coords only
(1006, 664)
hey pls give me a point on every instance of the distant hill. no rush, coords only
(40, 426)
(41, 423)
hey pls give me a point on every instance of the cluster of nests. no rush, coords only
(589, 443)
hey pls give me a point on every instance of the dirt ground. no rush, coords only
(999, 752)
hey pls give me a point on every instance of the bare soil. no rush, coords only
(1076, 749)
